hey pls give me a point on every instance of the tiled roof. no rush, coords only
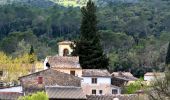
(95, 73)
(124, 76)
(65, 42)
(65, 93)
(154, 74)
(9, 95)
(17, 89)
(124, 73)
(112, 97)
(50, 78)
(63, 62)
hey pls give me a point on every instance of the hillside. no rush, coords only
(37, 3)
(65, 3)
(135, 36)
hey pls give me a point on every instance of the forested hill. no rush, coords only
(65, 3)
(135, 36)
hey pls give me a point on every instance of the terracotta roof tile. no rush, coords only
(64, 62)
(95, 73)
(112, 97)
(154, 74)
(124, 76)
(65, 93)
(50, 78)
(9, 95)
(122, 73)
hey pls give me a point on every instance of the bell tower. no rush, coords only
(64, 48)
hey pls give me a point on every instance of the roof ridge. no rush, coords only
(47, 70)
(63, 87)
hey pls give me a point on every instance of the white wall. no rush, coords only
(45, 61)
(148, 78)
(100, 80)
(103, 83)
(152, 78)
(118, 90)
(12, 89)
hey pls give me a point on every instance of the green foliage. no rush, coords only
(134, 87)
(89, 48)
(134, 35)
(15, 67)
(10, 43)
(31, 50)
(36, 96)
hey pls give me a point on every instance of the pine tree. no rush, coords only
(89, 48)
(167, 62)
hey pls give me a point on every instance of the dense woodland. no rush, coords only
(134, 35)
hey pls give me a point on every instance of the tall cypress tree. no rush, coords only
(167, 62)
(32, 55)
(31, 50)
(88, 47)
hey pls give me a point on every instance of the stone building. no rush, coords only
(122, 78)
(39, 80)
(150, 77)
(63, 62)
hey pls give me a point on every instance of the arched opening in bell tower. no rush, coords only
(65, 52)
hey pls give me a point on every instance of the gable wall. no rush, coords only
(78, 72)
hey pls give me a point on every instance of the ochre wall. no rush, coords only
(78, 72)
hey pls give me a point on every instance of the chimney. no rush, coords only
(40, 80)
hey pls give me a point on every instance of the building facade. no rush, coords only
(151, 76)
(98, 82)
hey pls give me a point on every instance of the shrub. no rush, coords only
(36, 96)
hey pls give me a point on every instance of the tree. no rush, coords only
(160, 89)
(167, 62)
(31, 50)
(134, 87)
(32, 56)
(89, 48)
(14, 67)
(161, 85)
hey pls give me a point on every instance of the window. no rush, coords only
(72, 73)
(100, 92)
(114, 91)
(65, 52)
(94, 80)
(1, 73)
(1, 84)
(93, 91)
